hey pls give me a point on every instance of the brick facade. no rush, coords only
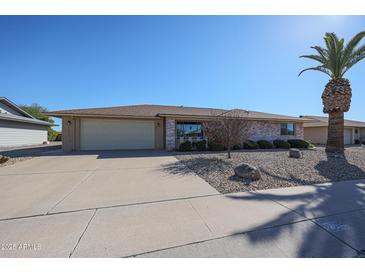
(263, 130)
(260, 130)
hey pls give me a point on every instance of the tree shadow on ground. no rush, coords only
(187, 166)
(346, 229)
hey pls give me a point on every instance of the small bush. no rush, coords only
(297, 143)
(281, 144)
(357, 142)
(236, 147)
(201, 145)
(215, 147)
(363, 143)
(3, 159)
(249, 144)
(264, 144)
(186, 146)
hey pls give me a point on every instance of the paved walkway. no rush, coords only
(112, 205)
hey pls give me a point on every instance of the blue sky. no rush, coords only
(249, 62)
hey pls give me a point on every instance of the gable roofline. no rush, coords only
(155, 111)
(322, 121)
(14, 106)
(24, 120)
(27, 119)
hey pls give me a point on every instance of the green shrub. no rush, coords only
(52, 134)
(236, 147)
(264, 144)
(281, 144)
(297, 143)
(249, 144)
(201, 145)
(186, 146)
(215, 147)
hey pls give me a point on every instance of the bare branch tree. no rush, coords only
(228, 128)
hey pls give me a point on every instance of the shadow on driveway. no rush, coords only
(23, 151)
(327, 200)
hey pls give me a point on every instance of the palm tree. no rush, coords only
(335, 60)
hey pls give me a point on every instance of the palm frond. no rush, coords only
(336, 58)
(358, 52)
(315, 57)
(332, 50)
(350, 46)
(353, 61)
(322, 51)
(318, 68)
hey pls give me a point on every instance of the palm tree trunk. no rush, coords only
(335, 140)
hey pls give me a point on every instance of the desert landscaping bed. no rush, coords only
(14, 160)
(277, 169)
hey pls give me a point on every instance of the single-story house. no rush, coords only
(317, 131)
(158, 127)
(18, 127)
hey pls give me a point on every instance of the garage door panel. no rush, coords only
(97, 134)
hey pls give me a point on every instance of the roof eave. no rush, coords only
(31, 121)
(299, 120)
(13, 105)
(60, 115)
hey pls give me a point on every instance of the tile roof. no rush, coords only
(151, 111)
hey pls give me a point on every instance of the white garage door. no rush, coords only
(348, 136)
(99, 134)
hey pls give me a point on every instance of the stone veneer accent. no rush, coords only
(263, 130)
(170, 134)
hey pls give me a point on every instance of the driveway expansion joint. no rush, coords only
(49, 213)
(82, 234)
(216, 238)
(202, 219)
(72, 190)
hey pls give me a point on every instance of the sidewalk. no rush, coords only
(324, 220)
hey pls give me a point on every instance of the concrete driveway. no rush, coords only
(120, 204)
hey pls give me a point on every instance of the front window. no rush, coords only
(189, 129)
(287, 129)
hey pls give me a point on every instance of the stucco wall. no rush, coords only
(71, 133)
(159, 132)
(317, 135)
(362, 134)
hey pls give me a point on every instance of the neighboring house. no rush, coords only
(18, 127)
(158, 127)
(316, 131)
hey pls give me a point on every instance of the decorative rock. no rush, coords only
(247, 171)
(295, 153)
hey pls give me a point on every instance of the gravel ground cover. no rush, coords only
(277, 169)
